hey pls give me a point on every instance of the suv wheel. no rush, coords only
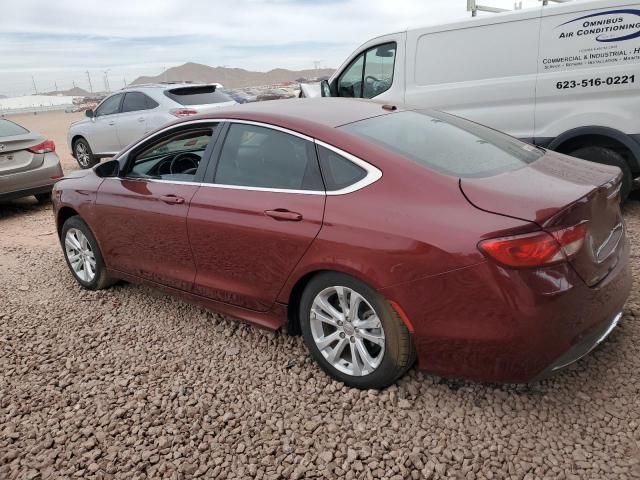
(353, 332)
(83, 154)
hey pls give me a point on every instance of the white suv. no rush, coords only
(127, 115)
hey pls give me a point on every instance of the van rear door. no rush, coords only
(588, 68)
(482, 69)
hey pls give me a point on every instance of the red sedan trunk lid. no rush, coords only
(559, 191)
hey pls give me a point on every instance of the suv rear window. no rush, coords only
(446, 143)
(9, 129)
(204, 95)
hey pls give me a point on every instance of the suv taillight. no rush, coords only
(44, 147)
(183, 112)
(536, 249)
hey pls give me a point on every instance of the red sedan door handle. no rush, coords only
(283, 214)
(172, 199)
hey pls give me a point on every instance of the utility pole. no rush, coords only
(89, 78)
(124, 80)
(35, 89)
(106, 80)
(56, 84)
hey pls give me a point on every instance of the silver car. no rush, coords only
(129, 114)
(28, 163)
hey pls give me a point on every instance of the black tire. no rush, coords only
(43, 197)
(607, 156)
(399, 352)
(83, 154)
(101, 279)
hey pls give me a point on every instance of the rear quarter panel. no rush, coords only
(410, 224)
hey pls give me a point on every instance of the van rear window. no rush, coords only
(446, 143)
(201, 95)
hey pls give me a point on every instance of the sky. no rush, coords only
(57, 42)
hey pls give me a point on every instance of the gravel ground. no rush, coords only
(129, 383)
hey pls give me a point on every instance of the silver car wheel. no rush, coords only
(347, 331)
(80, 256)
(82, 154)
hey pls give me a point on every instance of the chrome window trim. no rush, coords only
(272, 127)
(373, 173)
(215, 185)
(155, 180)
(264, 189)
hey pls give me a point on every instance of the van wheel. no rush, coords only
(353, 332)
(83, 154)
(607, 156)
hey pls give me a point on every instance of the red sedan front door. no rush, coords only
(143, 213)
(251, 224)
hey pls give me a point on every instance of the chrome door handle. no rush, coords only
(111, 123)
(172, 199)
(141, 119)
(283, 214)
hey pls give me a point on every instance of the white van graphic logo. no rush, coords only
(616, 26)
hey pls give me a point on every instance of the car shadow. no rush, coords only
(20, 206)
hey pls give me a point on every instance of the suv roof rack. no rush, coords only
(474, 8)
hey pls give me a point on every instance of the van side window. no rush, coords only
(370, 74)
(378, 70)
(350, 82)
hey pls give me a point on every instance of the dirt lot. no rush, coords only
(129, 383)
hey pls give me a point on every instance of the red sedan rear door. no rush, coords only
(259, 209)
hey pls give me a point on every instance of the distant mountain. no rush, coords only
(231, 77)
(3, 96)
(73, 92)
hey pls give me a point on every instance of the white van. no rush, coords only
(562, 76)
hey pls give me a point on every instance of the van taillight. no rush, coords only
(536, 249)
(44, 147)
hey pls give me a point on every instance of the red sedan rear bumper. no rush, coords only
(494, 324)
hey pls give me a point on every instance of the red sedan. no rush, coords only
(380, 233)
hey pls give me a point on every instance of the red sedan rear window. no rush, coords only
(446, 143)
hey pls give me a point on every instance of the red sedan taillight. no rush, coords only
(536, 249)
(44, 147)
(183, 112)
